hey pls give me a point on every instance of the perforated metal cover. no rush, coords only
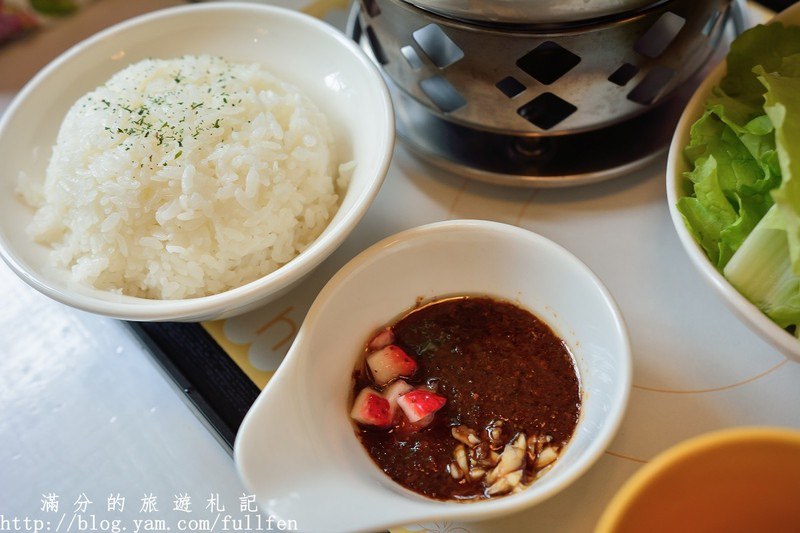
(541, 106)
(515, 81)
(533, 11)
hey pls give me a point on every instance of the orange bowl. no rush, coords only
(744, 479)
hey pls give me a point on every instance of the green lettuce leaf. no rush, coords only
(744, 206)
(761, 270)
(766, 46)
(766, 267)
(732, 149)
(731, 178)
(782, 104)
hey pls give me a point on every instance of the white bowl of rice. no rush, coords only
(191, 164)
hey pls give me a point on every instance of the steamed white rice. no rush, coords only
(186, 177)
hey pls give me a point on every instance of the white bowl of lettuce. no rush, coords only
(733, 180)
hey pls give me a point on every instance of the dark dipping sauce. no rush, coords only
(492, 361)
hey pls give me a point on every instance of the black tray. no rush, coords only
(215, 386)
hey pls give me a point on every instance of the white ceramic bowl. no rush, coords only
(297, 450)
(329, 68)
(748, 313)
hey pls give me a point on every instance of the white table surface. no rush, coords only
(85, 410)
(83, 407)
